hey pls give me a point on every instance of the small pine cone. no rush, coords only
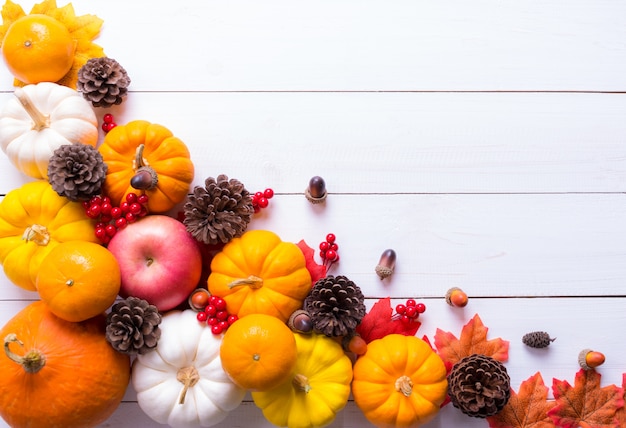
(537, 339)
(479, 386)
(219, 211)
(103, 82)
(336, 306)
(76, 171)
(133, 326)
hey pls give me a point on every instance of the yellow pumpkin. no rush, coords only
(33, 220)
(147, 157)
(399, 382)
(259, 273)
(317, 389)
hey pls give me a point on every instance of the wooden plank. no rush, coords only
(490, 245)
(281, 45)
(392, 142)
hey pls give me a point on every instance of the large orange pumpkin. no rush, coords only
(259, 273)
(399, 382)
(56, 373)
(147, 157)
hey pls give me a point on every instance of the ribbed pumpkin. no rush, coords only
(58, 374)
(260, 273)
(147, 157)
(33, 220)
(399, 382)
(318, 388)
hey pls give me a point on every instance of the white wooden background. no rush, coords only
(483, 140)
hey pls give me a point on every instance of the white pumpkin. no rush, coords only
(41, 118)
(182, 382)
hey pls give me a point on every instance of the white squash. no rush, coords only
(182, 382)
(41, 118)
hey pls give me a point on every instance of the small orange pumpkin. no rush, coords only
(147, 157)
(399, 382)
(259, 273)
(57, 373)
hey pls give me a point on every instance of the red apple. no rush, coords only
(159, 261)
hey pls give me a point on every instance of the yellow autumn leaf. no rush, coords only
(83, 29)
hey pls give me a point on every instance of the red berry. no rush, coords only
(201, 316)
(106, 127)
(212, 321)
(330, 238)
(210, 310)
(143, 212)
(220, 304)
(110, 230)
(221, 315)
(106, 239)
(405, 319)
(86, 205)
(212, 299)
(121, 222)
(130, 217)
(411, 311)
(216, 329)
(105, 208)
(421, 308)
(268, 193)
(334, 246)
(331, 255)
(105, 218)
(257, 209)
(135, 208)
(116, 212)
(100, 232)
(323, 255)
(142, 199)
(131, 198)
(263, 202)
(107, 118)
(231, 319)
(410, 302)
(106, 200)
(324, 246)
(96, 200)
(258, 195)
(336, 258)
(401, 309)
(224, 325)
(124, 207)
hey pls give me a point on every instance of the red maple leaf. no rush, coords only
(378, 322)
(473, 340)
(586, 404)
(316, 270)
(526, 409)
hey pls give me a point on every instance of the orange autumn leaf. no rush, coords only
(621, 412)
(586, 403)
(473, 340)
(526, 409)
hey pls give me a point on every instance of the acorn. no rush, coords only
(386, 264)
(300, 321)
(589, 359)
(456, 297)
(145, 177)
(316, 192)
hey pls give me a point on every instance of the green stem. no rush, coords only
(32, 361)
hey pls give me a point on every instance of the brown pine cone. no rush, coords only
(479, 386)
(336, 306)
(76, 171)
(219, 211)
(133, 326)
(103, 82)
(537, 339)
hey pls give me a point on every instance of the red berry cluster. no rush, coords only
(108, 123)
(216, 315)
(110, 219)
(328, 250)
(410, 311)
(261, 200)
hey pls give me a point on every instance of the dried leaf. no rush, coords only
(316, 270)
(378, 322)
(526, 409)
(586, 403)
(83, 29)
(621, 412)
(473, 340)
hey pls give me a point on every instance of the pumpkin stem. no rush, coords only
(253, 281)
(188, 376)
(404, 384)
(40, 120)
(32, 361)
(145, 177)
(301, 383)
(37, 233)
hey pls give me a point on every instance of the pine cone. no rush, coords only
(218, 212)
(103, 82)
(479, 386)
(133, 326)
(336, 306)
(76, 171)
(537, 339)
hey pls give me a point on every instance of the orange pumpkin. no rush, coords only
(78, 280)
(399, 382)
(259, 273)
(146, 157)
(57, 373)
